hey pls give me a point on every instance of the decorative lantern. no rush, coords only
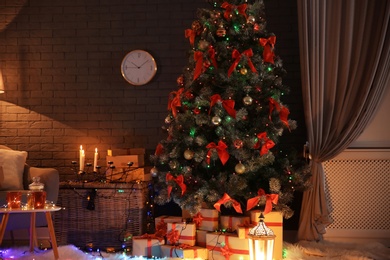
(261, 241)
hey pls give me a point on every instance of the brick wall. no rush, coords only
(61, 65)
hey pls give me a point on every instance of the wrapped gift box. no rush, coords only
(186, 233)
(121, 161)
(128, 174)
(219, 243)
(243, 230)
(207, 219)
(273, 220)
(184, 251)
(201, 237)
(167, 219)
(146, 245)
(232, 222)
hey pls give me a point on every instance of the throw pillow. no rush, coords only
(11, 169)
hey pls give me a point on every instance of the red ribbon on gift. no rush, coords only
(173, 236)
(268, 46)
(266, 143)
(174, 101)
(159, 149)
(236, 55)
(179, 180)
(228, 104)
(198, 218)
(230, 7)
(283, 111)
(270, 199)
(226, 198)
(161, 228)
(221, 150)
(191, 34)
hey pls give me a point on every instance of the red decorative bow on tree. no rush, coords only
(159, 149)
(283, 111)
(230, 7)
(198, 57)
(179, 180)
(236, 55)
(211, 53)
(264, 142)
(221, 150)
(226, 198)
(268, 46)
(270, 198)
(228, 104)
(191, 34)
(174, 101)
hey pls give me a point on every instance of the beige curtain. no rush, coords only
(345, 64)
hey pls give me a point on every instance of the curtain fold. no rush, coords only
(345, 65)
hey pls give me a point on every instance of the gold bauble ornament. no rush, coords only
(247, 100)
(243, 71)
(188, 154)
(216, 120)
(240, 168)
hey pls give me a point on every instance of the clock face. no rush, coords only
(138, 67)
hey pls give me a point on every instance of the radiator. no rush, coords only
(357, 187)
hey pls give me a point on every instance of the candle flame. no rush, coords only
(95, 150)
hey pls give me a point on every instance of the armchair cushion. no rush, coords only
(11, 169)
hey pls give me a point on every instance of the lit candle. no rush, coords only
(109, 152)
(95, 159)
(82, 158)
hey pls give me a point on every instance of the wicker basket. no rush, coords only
(100, 215)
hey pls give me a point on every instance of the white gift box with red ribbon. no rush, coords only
(181, 233)
(207, 219)
(231, 223)
(184, 251)
(147, 245)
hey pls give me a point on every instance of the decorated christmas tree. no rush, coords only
(226, 117)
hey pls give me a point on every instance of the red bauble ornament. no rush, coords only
(238, 143)
(196, 111)
(180, 81)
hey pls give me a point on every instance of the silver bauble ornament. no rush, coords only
(188, 154)
(240, 168)
(154, 172)
(247, 100)
(216, 120)
(251, 19)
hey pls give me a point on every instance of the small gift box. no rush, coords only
(224, 246)
(161, 223)
(232, 222)
(147, 245)
(273, 220)
(201, 237)
(182, 233)
(206, 219)
(243, 230)
(184, 251)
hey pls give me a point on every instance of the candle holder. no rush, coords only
(107, 175)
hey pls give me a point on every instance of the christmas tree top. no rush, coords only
(226, 116)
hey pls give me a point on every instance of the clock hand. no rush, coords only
(143, 63)
(136, 65)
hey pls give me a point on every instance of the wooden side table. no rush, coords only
(33, 238)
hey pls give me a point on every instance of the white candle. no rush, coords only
(95, 159)
(82, 158)
(109, 152)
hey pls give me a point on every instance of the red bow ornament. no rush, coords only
(268, 46)
(270, 199)
(264, 142)
(191, 34)
(159, 149)
(225, 251)
(221, 150)
(228, 104)
(161, 228)
(283, 111)
(226, 198)
(179, 181)
(174, 101)
(230, 7)
(198, 57)
(236, 55)
(211, 53)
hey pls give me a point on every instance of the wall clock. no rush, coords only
(138, 67)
